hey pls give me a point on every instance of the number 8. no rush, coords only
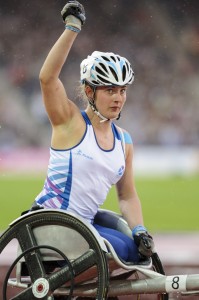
(175, 283)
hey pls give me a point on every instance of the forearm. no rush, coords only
(73, 15)
(57, 56)
(131, 210)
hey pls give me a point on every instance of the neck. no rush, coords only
(96, 120)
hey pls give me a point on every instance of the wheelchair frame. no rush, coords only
(62, 255)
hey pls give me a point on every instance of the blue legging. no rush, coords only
(124, 246)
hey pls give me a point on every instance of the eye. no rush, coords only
(123, 91)
(110, 90)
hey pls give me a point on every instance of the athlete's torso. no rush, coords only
(79, 178)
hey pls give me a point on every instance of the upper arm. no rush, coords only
(126, 186)
(58, 107)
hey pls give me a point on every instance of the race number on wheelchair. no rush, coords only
(176, 283)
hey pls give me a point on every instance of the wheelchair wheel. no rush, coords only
(24, 229)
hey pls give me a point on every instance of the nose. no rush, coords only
(118, 97)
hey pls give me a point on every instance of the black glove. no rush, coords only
(143, 240)
(73, 14)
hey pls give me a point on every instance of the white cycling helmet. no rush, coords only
(106, 68)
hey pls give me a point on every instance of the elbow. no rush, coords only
(45, 77)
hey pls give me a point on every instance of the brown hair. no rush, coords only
(80, 93)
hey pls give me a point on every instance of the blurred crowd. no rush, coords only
(160, 39)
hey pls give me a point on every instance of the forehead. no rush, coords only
(115, 87)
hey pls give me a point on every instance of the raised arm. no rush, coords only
(58, 106)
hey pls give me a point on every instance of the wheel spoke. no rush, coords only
(33, 259)
(79, 265)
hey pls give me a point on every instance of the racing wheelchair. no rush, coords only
(61, 256)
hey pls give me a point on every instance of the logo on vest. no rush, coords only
(121, 171)
(80, 153)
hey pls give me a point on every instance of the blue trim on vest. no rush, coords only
(68, 185)
(116, 132)
(127, 138)
(86, 118)
(46, 198)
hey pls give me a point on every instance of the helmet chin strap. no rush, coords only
(95, 110)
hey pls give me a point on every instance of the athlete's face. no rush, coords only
(109, 100)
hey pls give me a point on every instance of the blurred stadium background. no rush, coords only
(161, 39)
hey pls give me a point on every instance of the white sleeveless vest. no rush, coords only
(79, 179)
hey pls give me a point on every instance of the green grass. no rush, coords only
(169, 204)
(17, 194)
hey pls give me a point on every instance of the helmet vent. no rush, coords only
(95, 82)
(114, 73)
(127, 65)
(124, 73)
(103, 66)
(100, 71)
(113, 58)
(105, 58)
(103, 80)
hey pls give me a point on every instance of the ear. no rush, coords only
(89, 92)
